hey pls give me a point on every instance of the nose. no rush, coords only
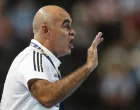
(72, 32)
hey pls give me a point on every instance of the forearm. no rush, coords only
(70, 83)
(55, 92)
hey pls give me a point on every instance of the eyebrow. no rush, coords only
(66, 21)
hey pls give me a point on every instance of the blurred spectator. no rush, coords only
(105, 16)
(128, 7)
(5, 28)
(21, 17)
(6, 43)
(82, 24)
(118, 85)
(104, 11)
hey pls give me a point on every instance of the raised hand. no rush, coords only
(92, 57)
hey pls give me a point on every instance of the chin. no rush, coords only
(68, 52)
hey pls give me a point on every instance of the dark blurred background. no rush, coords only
(115, 84)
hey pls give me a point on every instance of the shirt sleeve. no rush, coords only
(27, 71)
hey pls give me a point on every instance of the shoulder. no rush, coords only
(33, 59)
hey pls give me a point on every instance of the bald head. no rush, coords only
(47, 15)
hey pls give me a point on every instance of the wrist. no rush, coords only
(90, 66)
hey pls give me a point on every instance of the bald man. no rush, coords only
(34, 81)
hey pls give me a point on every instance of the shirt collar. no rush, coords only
(55, 60)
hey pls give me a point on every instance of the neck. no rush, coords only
(46, 45)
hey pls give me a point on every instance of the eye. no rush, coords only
(66, 26)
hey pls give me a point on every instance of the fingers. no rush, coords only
(98, 39)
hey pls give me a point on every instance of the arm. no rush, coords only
(51, 93)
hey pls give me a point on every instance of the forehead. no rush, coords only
(62, 16)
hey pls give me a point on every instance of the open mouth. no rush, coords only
(71, 43)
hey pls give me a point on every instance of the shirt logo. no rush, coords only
(56, 75)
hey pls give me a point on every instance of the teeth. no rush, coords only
(71, 45)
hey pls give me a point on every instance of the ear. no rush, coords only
(46, 30)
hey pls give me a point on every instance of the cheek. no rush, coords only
(63, 44)
(61, 41)
(63, 37)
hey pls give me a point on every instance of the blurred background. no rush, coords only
(115, 84)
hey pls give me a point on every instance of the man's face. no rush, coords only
(62, 34)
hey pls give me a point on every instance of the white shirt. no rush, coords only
(29, 64)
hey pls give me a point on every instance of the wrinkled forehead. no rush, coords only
(61, 16)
